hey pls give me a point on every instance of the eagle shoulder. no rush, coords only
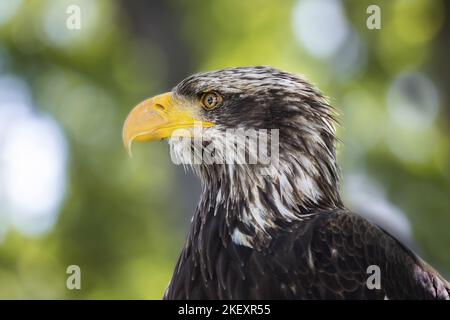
(343, 248)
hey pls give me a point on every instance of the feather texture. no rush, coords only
(286, 234)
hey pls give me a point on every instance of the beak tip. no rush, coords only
(130, 154)
(127, 145)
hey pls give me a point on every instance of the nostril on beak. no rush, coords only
(159, 107)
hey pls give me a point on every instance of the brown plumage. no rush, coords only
(324, 257)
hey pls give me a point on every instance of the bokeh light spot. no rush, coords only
(320, 26)
(33, 156)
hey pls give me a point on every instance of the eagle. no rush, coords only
(273, 226)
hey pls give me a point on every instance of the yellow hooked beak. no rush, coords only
(160, 117)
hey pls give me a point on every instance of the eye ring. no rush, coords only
(211, 100)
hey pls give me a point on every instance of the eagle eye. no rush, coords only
(211, 100)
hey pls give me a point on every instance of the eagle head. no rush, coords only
(207, 116)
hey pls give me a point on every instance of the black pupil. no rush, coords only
(210, 100)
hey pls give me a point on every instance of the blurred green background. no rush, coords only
(69, 194)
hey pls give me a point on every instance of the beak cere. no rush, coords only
(160, 117)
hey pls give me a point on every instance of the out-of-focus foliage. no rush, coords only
(123, 220)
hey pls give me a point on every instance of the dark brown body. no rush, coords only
(324, 257)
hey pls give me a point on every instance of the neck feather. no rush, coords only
(255, 201)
